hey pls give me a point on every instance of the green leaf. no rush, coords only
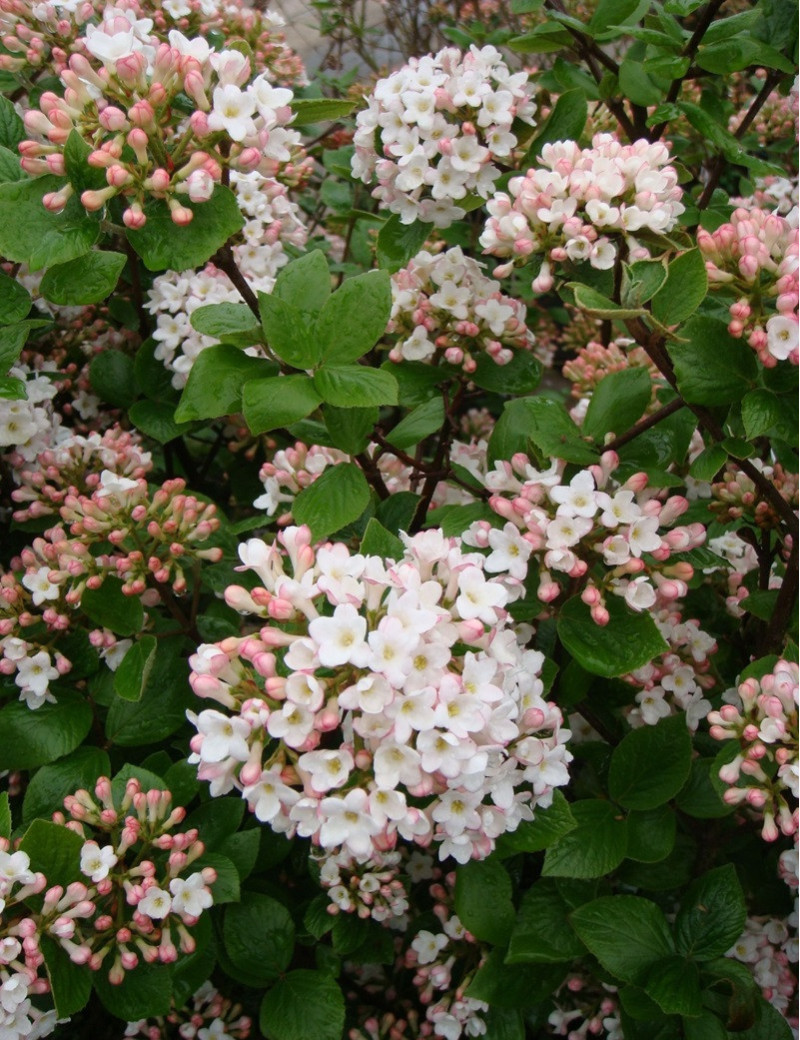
(162, 707)
(641, 280)
(651, 834)
(542, 934)
(134, 669)
(15, 302)
(215, 383)
(598, 305)
(163, 245)
(482, 900)
(705, 1027)
(377, 541)
(308, 111)
(49, 785)
(33, 738)
(708, 463)
(626, 643)
(632, 780)
(70, 984)
(86, 279)
(10, 169)
(712, 368)
(684, 290)
(109, 607)
(425, 419)
(31, 234)
(112, 377)
(80, 174)
(217, 821)
(698, 797)
(674, 984)
(520, 376)
(618, 400)
(225, 319)
(770, 1024)
(398, 242)
(305, 284)
(350, 428)
(612, 17)
(271, 403)
(354, 318)
(335, 499)
(156, 419)
(566, 122)
(544, 38)
(513, 985)
(12, 129)
(546, 827)
(55, 851)
(355, 386)
(596, 845)
(505, 1023)
(636, 84)
(288, 332)
(301, 1005)
(145, 992)
(627, 934)
(761, 411)
(5, 816)
(712, 915)
(723, 140)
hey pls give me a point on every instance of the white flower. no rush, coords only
(156, 903)
(643, 536)
(96, 862)
(428, 945)
(232, 111)
(479, 598)
(640, 594)
(340, 639)
(190, 897)
(578, 499)
(114, 486)
(223, 737)
(269, 795)
(327, 769)
(39, 585)
(782, 335)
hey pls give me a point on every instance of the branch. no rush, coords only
(224, 260)
(772, 640)
(646, 424)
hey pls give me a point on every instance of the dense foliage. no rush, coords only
(399, 489)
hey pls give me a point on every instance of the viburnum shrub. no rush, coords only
(398, 494)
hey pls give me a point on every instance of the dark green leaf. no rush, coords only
(225, 319)
(618, 400)
(15, 302)
(596, 845)
(627, 642)
(651, 834)
(308, 111)
(699, 797)
(627, 934)
(377, 541)
(542, 934)
(335, 499)
(10, 169)
(566, 122)
(305, 284)
(712, 368)
(33, 738)
(109, 607)
(268, 404)
(483, 900)
(112, 377)
(70, 984)
(145, 992)
(712, 915)
(641, 280)
(54, 850)
(398, 243)
(49, 786)
(134, 669)
(761, 411)
(156, 419)
(513, 985)
(12, 129)
(215, 383)
(162, 707)
(355, 386)
(520, 376)
(288, 332)
(165, 246)
(722, 139)
(674, 984)
(5, 816)
(350, 428)
(546, 827)
(598, 305)
(86, 279)
(708, 463)
(354, 318)
(684, 290)
(31, 234)
(426, 419)
(303, 1004)
(636, 84)
(632, 780)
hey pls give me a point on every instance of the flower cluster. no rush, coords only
(398, 701)
(152, 538)
(273, 221)
(207, 1016)
(736, 497)
(444, 306)
(368, 890)
(756, 257)
(26, 424)
(126, 105)
(592, 521)
(762, 717)
(442, 121)
(583, 205)
(585, 1008)
(769, 946)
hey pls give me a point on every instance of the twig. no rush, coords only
(646, 424)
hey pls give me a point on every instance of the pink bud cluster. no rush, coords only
(583, 205)
(442, 122)
(444, 307)
(154, 536)
(380, 701)
(368, 890)
(755, 257)
(567, 529)
(273, 222)
(595, 361)
(735, 496)
(73, 466)
(763, 719)
(208, 1016)
(126, 111)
